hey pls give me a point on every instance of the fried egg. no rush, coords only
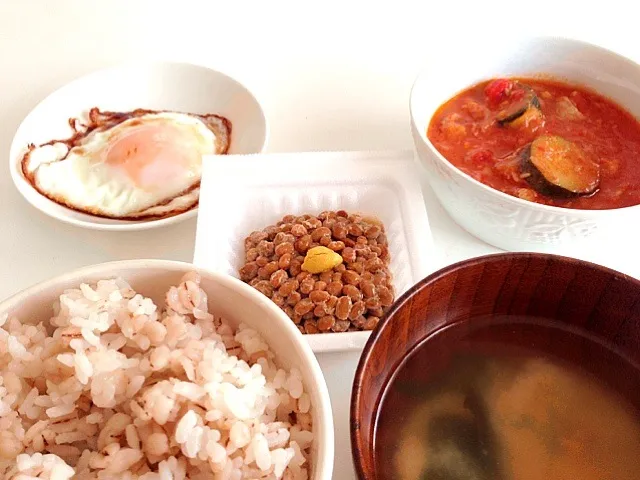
(128, 165)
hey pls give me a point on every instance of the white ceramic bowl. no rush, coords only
(495, 217)
(158, 86)
(228, 297)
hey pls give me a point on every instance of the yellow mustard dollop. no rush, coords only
(321, 259)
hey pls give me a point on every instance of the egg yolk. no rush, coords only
(151, 155)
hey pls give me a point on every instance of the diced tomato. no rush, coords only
(498, 90)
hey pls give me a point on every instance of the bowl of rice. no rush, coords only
(156, 370)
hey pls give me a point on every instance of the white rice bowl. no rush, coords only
(114, 386)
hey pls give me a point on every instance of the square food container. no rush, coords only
(244, 193)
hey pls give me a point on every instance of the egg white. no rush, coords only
(83, 181)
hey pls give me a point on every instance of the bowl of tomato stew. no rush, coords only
(533, 144)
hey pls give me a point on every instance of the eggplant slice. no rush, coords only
(558, 168)
(527, 103)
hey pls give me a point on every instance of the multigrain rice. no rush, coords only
(112, 387)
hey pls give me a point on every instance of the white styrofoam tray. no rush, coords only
(243, 193)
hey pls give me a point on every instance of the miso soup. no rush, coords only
(510, 399)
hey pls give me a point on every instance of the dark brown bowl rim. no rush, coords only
(356, 449)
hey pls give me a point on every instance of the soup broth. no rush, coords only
(510, 399)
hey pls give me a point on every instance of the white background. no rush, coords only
(330, 75)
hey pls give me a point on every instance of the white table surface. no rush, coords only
(331, 77)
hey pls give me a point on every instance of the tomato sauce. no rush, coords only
(466, 132)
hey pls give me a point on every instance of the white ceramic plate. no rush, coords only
(158, 86)
(254, 191)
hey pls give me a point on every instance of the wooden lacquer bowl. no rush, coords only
(577, 294)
